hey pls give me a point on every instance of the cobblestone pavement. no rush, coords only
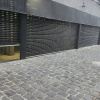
(66, 75)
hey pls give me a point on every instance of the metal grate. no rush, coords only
(88, 36)
(9, 28)
(13, 5)
(45, 35)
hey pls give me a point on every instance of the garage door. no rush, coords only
(89, 36)
(46, 35)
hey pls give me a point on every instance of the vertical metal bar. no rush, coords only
(23, 30)
(99, 38)
(78, 36)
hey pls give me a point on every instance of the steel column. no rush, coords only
(78, 36)
(99, 39)
(23, 27)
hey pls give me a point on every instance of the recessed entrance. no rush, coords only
(9, 53)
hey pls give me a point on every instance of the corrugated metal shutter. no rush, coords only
(13, 5)
(45, 35)
(89, 36)
(9, 28)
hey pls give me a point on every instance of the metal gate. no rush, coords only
(89, 35)
(46, 35)
(9, 28)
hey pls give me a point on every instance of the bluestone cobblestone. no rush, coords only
(65, 75)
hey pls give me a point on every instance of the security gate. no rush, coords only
(9, 28)
(46, 35)
(89, 35)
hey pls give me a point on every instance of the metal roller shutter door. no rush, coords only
(13, 5)
(9, 28)
(45, 35)
(89, 36)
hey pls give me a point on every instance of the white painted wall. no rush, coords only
(91, 6)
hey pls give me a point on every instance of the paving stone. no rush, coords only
(2, 79)
(98, 86)
(97, 98)
(1, 94)
(16, 81)
(51, 94)
(10, 78)
(56, 83)
(93, 83)
(48, 98)
(65, 84)
(20, 77)
(63, 93)
(96, 89)
(32, 90)
(22, 92)
(25, 80)
(25, 86)
(9, 84)
(21, 73)
(94, 93)
(54, 89)
(3, 88)
(58, 97)
(39, 81)
(43, 89)
(17, 97)
(88, 97)
(5, 75)
(1, 85)
(9, 93)
(15, 88)
(5, 98)
(46, 85)
(79, 95)
(63, 88)
(8, 72)
(38, 95)
(72, 92)
(73, 98)
(36, 86)
(29, 97)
